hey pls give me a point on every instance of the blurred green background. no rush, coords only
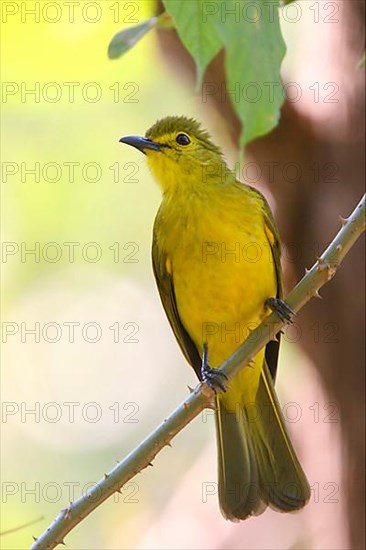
(102, 367)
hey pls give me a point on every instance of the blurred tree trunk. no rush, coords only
(307, 214)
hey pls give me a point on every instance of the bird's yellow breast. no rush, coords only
(220, 259)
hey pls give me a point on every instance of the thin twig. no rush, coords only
(322, 271)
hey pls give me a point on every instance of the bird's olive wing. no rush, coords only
(273, 347)
(270, 227)
(165, 283)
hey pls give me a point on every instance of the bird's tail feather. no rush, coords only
(258, 466)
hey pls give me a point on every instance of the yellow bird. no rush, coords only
(216, 260)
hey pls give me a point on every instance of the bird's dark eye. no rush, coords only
(182, 139)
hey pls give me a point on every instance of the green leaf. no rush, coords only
(124, 40)
(254, 53)
(198, 35)
(250, 32)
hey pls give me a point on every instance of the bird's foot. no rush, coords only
(212, 377)
(282, 309)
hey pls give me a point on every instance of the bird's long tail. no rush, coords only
(258, 466)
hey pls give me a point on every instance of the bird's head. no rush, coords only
(179, 153)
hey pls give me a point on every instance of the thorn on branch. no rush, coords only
(34, 538)
(322, 265)
(206, 391)
(321, 261)
(68, 511)
(331, 271)
(317, 295)
(343, 220)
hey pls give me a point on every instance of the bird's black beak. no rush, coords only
(141, 143)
